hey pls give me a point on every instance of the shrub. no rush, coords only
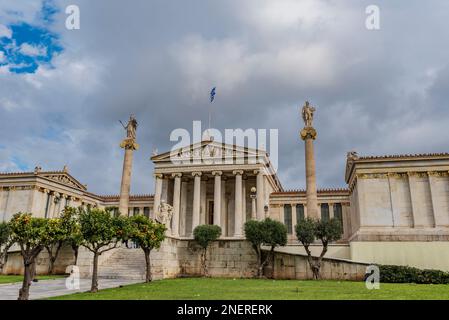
(404, 274)
(269, 233)
(204, 235)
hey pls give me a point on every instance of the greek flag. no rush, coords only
(212, 94)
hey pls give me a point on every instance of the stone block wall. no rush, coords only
(15, 262)
(295, 266)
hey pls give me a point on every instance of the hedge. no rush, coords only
(402, 274)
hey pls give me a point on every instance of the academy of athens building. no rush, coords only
(395, 209)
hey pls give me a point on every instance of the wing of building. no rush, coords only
(395, 209)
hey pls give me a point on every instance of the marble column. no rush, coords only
(176, 203)
(157, 193)
(260, 194)
(217, 197)
(253, 208)
(196, 199)
(294, 218)
(224, 208)
(238, 232)
(308, 134)
(182, 210)
(331, 210)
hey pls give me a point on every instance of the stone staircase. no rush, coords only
(124, 263)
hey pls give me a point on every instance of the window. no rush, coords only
(324, 211)
(288, 217)
(146, 212)
(135, 211)
(299, 213)
(338, 212)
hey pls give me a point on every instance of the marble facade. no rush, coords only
(392, 204)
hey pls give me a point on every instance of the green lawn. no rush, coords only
(14, 278)
(252, 289)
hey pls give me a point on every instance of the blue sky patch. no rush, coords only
(30, 46)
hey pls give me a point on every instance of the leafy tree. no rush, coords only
(74, 238)
(6, 242)
(308, 229)
(204, 235)
(265, 233)
(30, 234)
(55, 237)
(148, 235)
(101, 233)
(62, 230)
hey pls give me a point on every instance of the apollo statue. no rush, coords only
(307, 114)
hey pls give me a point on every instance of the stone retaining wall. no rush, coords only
(296, 266)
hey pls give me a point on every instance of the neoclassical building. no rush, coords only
(395, 209)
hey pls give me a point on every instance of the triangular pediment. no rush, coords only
(209, 149)
(63, 178)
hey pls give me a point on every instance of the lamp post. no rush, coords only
(265, 209)
(253, 196)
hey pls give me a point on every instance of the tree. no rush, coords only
(100, 232)
(55, 237)
(265, 233)
(62, 230)
(30, 234)
(6, 242)
(148, 235)
(204, 235)
(308, 229)
(71, 223)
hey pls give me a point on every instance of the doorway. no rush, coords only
(210, 212)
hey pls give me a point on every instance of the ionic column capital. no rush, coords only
(217, 173)
(158, 175)
(197, 174)
(176, 175)
(237, 172)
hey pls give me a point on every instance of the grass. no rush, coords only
(254, 289)
(13, 278)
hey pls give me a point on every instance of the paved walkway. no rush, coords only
(56, 287)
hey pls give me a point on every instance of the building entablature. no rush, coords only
(400, 166)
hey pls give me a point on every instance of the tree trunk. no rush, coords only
(204, 262)
(52, 257)
(148, 275)
(259, 263)
(75, 253)
(94, 286)
(28, 276)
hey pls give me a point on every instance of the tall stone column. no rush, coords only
(129, 144)
(260, 194)
(217, 197)
(176, 203)
(308, 134)
(196, 199)
(157, 193)
(238, 232)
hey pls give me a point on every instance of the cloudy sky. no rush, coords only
(63, 91)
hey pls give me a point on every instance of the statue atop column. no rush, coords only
(308, 134)
(130, 141)
(307, 114)
(129, 144)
